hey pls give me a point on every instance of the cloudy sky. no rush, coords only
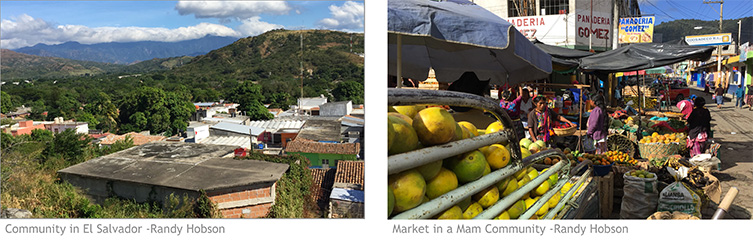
(26, 23)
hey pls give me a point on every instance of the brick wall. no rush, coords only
(244, 202)
(257, 211)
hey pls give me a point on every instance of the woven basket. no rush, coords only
(565, 131)
(657, 150)
(621, 143)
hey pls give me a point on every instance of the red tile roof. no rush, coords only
(138, 139)
(322, 180)
(350, 172)
(308, 146)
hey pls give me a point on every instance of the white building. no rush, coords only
(336, 108)
(60, 125)
(578, 24)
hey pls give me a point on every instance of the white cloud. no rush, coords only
(28, 31)
(253, 26)
(349, 16)
(231, 9)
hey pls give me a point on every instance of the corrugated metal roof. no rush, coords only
(228, 120)
(347, 195)
(239, 141)
(277, 124)
(237, 128)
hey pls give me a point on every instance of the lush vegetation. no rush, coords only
(29, 180)
(293, 198)
(253, 71)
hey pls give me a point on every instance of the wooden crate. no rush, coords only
(605, 186)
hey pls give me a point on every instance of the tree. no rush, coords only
(349, 91)
(69, 145)
(88, 118)
(104, 112)
(152, 109)
(6, 103)
(249, 97)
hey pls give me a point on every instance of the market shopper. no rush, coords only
(719, 95)
(749, 97)
(597, 124)
(739, 95)
(699, 127)
(541, 120)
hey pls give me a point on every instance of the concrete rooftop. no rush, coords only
(185, 166)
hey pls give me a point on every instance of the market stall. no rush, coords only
(470, 172)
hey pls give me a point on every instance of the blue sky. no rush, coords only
(669, 10)
(26, 23)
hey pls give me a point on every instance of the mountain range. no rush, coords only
(130, 52)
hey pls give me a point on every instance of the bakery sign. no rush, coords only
(549, 29)
(636, 29)
(593, 24)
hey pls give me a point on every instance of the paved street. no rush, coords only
(733, 129)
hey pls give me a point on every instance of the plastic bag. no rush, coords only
(640, 198)
(679, 197)
(705, 162)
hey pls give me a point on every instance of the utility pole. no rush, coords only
(301, 60)
(737, 44)
(718, 47)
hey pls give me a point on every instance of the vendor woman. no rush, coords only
(541, 120)
(699, 126)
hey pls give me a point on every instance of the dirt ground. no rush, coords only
(733, 129)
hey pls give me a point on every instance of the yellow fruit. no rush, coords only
(487, 197)
(503, 216)
(468, 166)
(487, 170)
(409, 188)
(405, 118)
(444, 182)
(434, 126)
(466, 133)
(453, 213)
(390, 134)
(390, 200)
(407, 139)
(471, 128)
(465, 203)
(458, 133)
(517, 209)
(532, 174)
(543, 209)
(541, 189)
(529, 203)
(472, 210)
(430, 170)
(409, 111)
(523, 172)
(655, 134)
(524, 153)
(554, 200)
(494, 127)
(509, 187)
(523, 181)
(497, 156)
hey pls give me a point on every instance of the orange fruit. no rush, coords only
(409, 188)
(497, 156)
(434, 126)
(445, 181)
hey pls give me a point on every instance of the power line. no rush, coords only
(652, 4)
